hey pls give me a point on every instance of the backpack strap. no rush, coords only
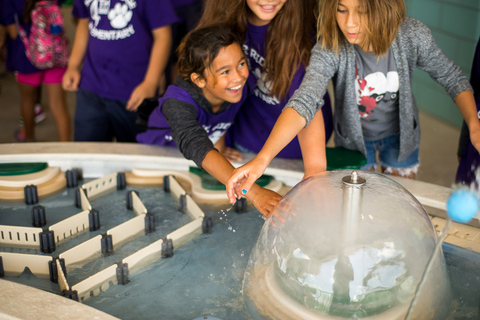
(21, 31)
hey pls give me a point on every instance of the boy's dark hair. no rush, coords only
(200, 47)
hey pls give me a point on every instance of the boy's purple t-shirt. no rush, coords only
(120, 42)
(214, 124)
(17, 60)
(258, 115)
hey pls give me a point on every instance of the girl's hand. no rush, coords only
(71, 79)
(243, 178)
(142, 91)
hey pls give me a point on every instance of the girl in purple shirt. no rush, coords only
(277, 39)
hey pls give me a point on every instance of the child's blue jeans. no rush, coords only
(102, 119)
(388, 150)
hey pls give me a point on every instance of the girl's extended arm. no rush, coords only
(71, 78)
(312, 143)
(263, 199)
(162, 42)
(466, 104)
(288, 125)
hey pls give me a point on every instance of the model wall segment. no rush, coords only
(193, 209)
(70, 227)
(175, 187)
(24, 237)
(127, 231)
(82, 254)
(62, 280)
(138, 206)
(14, 264)
(98, 282)
(101, 186)
(145, 256)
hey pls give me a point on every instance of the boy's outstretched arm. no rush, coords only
(288, 125)
(263, 199)
(71, 78)
(162, 43)
(312, 142)
(466, 104)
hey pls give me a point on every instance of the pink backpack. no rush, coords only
(46, 46)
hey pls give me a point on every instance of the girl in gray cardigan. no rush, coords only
(370, 50)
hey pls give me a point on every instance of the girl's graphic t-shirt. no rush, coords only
(376, 91)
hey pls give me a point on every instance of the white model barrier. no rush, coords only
(25, 237)
(15, 263)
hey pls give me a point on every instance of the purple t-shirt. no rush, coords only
(183, 3)
(256, 118)
(120, 42)
(17, 60)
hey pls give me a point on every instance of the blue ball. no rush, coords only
(462, 206)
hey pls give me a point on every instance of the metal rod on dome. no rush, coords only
(352, 201)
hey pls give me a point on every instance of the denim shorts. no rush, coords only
(388, 150)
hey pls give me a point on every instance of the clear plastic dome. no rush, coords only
(351, 248)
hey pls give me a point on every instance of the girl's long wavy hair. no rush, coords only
(290, 36)
(382, 17)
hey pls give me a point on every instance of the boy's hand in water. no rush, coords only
(243, 178)
(265, 201)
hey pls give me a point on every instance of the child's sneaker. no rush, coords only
(40, 115)
(20, 135)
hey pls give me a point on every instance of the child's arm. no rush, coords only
(71, 78)
(288, 125)
(312, 143)
(263, 199)
(12, 31)
(466, 104)
(193, 142)
(162, 42)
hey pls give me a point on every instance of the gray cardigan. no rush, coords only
(414, 46)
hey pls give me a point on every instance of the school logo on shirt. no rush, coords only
(262, 90)
(118, 18)
(215, 133)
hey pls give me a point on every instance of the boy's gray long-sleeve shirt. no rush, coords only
(414, 46)
(191, 138)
